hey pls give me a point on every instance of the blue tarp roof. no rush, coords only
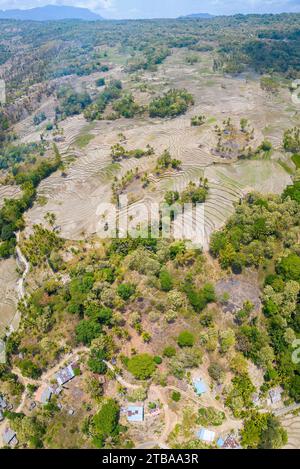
(135, 413)
(220, 442)
(200, 386)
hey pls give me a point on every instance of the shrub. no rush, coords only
(106, 422)
(87, 330)
(126, 106)
(266, 146)
(186, 339)
(157, 360)
(210, 416)
(169, 352)
(126, 290)
(95, 361)
(29, 369)
(100, 82)
(289, 267)
(166, 281)
(216, 372)
(141, 366)
(199, 299)
(176, 396)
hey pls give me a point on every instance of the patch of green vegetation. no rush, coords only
(72, 102)
(83, 140)
(296, 160)
(291, 140)
(186, 339)
(11, 214)
(172, 104)
(210, 416)
(263, 431)
(126, 106)
(112, 92)
(105, 423)
(141, 366)
(286, 167)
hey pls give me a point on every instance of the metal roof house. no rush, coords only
(64, 375)
(3, 403)
(2, 352)
(275, 395)
(231, 443)
(9, 437)
(199, 386)
(135, 413)
(43, 394)
(205, 435)
(256, 399)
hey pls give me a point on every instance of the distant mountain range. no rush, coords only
(51, 13)
(199, 15)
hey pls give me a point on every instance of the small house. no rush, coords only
(9, 437)
(231, 443)
(135, 413)
(2, 352)
(1, 416)
(32, 405)
(205, 435)
(220, 443)
(57, 390)
(3, 403)
(256, 399)
(154, 412)
(64, 375)
(200, 386)
(275, 395)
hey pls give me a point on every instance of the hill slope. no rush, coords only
(49, 13)
(199, 15)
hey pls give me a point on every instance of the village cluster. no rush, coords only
(133, 413)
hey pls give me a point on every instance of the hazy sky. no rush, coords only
(164, 8)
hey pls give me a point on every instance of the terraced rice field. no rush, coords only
(8, 192)
(292, 424)
(8, 298)
(76, 199)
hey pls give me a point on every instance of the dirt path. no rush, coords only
(119, 378)
(47, 375)
(171, 418)
(23, 261)
(286, 410)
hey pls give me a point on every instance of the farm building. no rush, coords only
(199, 386)
(64, 375)
(9, 437)
(205, 435)
(135, 413)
